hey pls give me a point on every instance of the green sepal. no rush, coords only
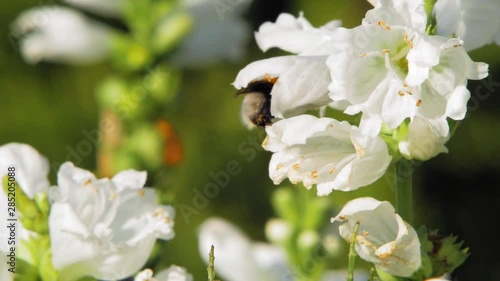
(46, 268)
(26, 271)
(384, 276)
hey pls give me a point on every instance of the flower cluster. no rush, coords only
(402, 81)
(104, 228)
(404, 72)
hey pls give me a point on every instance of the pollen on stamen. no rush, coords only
(419, 102)
(409, 93)
(314, 174)
(113, 197)
(407, 40)
(270, 79)
(362, 55)
(87, 182)
(331, 170)
(342, 218)
(382, 24)
(159, 213)
(360, 151)
(385, 51)
(366, 233)
(279, 166)
(401, 94)
(296, 166)
(141, 192)
(265, 141)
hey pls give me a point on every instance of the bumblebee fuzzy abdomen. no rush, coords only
(256, 106)
(255, 110)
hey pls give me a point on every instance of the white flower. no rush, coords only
(475, 22)
(173, 273)
(393, 71)
(31, 168)
(237, 257)
(104, 228)
(383, 237)
(421, 142)
(213, 38)
(407, 13)
(58, 34)
(302, 83)
(331, 154)
(298, 36)
(111, 8)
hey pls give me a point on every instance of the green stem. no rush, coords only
(352, 254)
(431, 20)
(211, 261)
(404, 190)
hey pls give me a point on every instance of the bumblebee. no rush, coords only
(256, 105)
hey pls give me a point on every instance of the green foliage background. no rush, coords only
(49, 106)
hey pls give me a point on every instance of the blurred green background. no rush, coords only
(49, 106)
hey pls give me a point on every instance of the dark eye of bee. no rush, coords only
(256, 106)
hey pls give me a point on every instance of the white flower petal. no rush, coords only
(295, 35)
(410, 13)
(31, 168)
(302, 83)
(476, 22)
(422, 143)
(59, 34)
(130, 179)
(457, 103)
(331, 154)
(174, 273)
(383, 238)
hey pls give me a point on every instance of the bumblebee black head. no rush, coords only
(256, 106)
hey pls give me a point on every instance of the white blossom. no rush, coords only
(394, 71)
(173, 273)
(302, 83)
(298, 36)
(421, 142)
(331, 154)
(31, 168)
(240, 259)
(302, 80)
(31, 175)
(475, 22)
(104, 228)
(383, 237)
(59, 34)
